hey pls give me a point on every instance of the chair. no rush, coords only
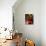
(18, 39)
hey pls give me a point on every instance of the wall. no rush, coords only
(43, 22)
(32, 32)
(6, 13)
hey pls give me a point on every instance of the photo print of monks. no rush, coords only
(28, 18)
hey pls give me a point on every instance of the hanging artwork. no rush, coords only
(28, 18)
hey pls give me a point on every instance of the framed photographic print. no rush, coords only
(28, 18)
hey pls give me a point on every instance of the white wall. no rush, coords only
(30, 31)
(43, 22)
(6, 13)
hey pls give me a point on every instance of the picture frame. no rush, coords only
(29, 19)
